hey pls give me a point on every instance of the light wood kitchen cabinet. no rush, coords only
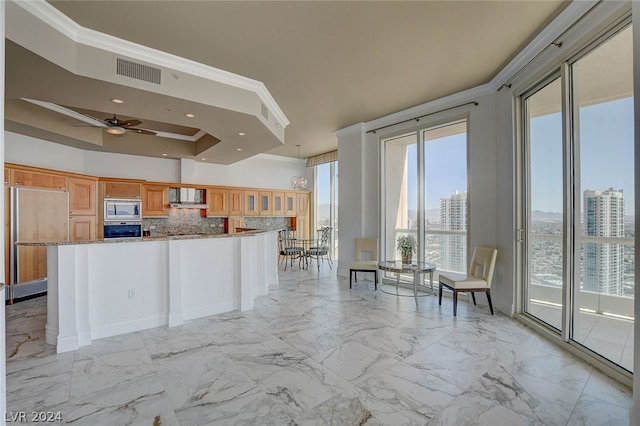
(290, 203)
(235, 222)
(251, 203)
(33, 179)
(217, 202)
(236, 202)
(265, 203)
(120, 189)
(302, 203)
(155, 201)
(82, 228)
(82, 196)
(277, 203)
(302, 227)
(7, 176)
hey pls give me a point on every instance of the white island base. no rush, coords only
(103, 289)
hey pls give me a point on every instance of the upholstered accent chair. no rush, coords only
(365, 259)
(478, 279)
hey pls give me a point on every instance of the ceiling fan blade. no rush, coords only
(141, 131)
(69, 113)
(129, 123)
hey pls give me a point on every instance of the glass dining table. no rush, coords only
(304, 244)
(415, 268)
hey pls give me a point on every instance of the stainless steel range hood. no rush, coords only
(188, 200)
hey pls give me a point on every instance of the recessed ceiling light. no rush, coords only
(203, 158)
(189, 115)
(238, 149)
(241, 134)
(117, 101)
(164, 155)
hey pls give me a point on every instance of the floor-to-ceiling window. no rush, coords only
(425, 194)
(579, 204)
(326, 201)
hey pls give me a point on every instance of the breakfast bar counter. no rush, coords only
(105, 288)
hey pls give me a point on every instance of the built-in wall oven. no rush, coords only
(125, 229)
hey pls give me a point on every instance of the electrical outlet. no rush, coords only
(213, 225)
(152, 227)
(132, 293)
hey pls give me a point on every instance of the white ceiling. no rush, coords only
(327, 65)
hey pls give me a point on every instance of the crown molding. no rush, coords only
(548, 35)
(72, 30)
(355, 128)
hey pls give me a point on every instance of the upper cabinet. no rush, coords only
(217, 202)
(38, 180)
(155, 200)
(121, 189)
(251, 203)
(290, 203)
(277, 203)
(236, 202)
(265, 203)
(82, 196)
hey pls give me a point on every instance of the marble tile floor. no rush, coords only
(313, 352)
(609, 336)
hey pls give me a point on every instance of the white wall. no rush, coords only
(261, 171)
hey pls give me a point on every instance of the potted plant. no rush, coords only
(406, 246)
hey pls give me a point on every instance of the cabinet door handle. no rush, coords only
(17, 183)
(72, 218)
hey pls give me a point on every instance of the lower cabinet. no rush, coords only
(235, 222)
(82, 228)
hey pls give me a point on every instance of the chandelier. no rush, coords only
(299, 182)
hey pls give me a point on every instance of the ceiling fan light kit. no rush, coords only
(116, 130)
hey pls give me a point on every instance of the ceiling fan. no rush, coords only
(115, 126)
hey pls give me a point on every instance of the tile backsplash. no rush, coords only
(267, 223)
(184, 221)
(190, 221)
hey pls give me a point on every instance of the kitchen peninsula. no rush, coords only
(105, 288)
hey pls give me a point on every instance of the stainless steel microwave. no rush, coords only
(122, 209)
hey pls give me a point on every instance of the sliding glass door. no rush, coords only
(544, 203)
(578, 166)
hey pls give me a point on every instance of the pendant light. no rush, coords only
(299, 182)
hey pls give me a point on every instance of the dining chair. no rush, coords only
(321, 250)
(365, 259)
(288, 249)
(478, 279)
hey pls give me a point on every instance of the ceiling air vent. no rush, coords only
(137, 71)
(265, 112)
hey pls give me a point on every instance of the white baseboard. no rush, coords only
(108, 330)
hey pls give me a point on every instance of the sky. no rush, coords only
(445, 169)
(606, 154)
(606, 159)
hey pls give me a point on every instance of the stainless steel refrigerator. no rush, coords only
(35, 215)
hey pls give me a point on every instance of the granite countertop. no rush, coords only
(143, 239)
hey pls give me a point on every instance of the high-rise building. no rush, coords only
(453, 217)
(603, 261)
